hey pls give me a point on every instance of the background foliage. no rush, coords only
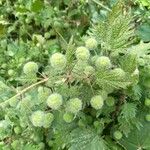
(32, 31)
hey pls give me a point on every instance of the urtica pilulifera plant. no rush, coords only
(91, 95)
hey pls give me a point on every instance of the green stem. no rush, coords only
(99, 3)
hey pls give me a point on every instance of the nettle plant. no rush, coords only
(89, 97)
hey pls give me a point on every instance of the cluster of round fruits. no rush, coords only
(58, 62)
(41, 119)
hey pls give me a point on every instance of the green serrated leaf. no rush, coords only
(86, 139)
(107, 80)
(137, 139)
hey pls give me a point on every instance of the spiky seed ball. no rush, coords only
(147, 102)
(15, 144)
(147, 117)
(30, 67)
(81, 123)
(74, 105)
(97, 102)
(37, 118)
(117, 135)
(68, 117)
(82, 53)
(89, 70)
(110, 101)
(17, 130)
(58, 61)
(3, 124)
(91, 43)
(11, 72)
(48, 119)
(54, 101)
(103, 62)
(41, 145)
(96, 124)
(118, 72)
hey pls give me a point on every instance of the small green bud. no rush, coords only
(79, 69)
(82, 53)
(41, 146)
(30, 67)
(47, 35)
(147, 102)
(54, 101)
(110, 101)
(103, 62)
(37, 118)
(74, 105)
(48, 119)
(141, 62)
(89, 70)
(68, 117)
(3, 124)
(97, 102)
(91, 43)
(50, 143)
(58, 61)
(117, 135)
(81, 123)
(10, 72)
(96, 124)
(147, 117)
(17, 130)
(15, 144)
(118, 72)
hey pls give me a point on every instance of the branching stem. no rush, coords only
(101, 5)
(26, 89)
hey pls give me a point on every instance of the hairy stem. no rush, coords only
(24, 90)
(101, 5)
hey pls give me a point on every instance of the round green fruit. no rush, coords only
(96, 124)
(30, 67)
(47, 35)
(50, 143)
(41, 146)
(48, 119)
(147, 117)
(118, 72)
(17, 130)
(91, 43)
(97, 102)
(58, 61)
(54, 101)
(15, 144)
(147, 102)
(103, 62)
(110, 101)
(82, 53)
(10, 72)
(117, 135)
(89, 70)
(37, 118)
(81, 123)
(68, 117)
(74, 105)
